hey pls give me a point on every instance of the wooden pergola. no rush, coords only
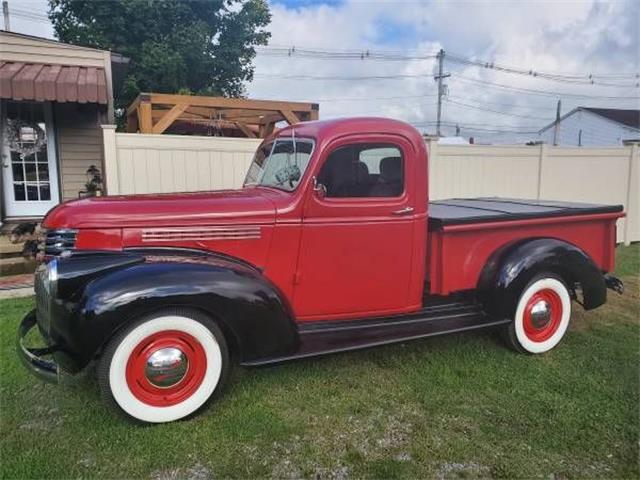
(157, 112)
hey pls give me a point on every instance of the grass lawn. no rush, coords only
(456, 406)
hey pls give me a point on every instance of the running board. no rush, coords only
(322, 338)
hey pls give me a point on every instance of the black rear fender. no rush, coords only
(509, 270)
(247, 306)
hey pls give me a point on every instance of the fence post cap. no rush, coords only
(108, 126)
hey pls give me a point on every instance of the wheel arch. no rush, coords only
(233, 343)
(252, 313)
(510, 268)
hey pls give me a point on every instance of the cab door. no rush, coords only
(357, 231)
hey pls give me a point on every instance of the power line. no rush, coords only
(482, 102)
(488, 128)
(540, 92)
(354, 99)
(524, 128)
(338, 54)
(455, 77)
(590, 78)
(340, 78)
(469, 125)
(377, 112)
(584, 79)
(484, 109)
(536, 73)
(29, 12)
(491, 130)
(29, 19)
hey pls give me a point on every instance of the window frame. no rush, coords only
(371, 144)
(273, 142)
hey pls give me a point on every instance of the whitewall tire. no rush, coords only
(164, 367)
(541, 316)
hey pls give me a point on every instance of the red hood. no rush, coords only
(158, 210)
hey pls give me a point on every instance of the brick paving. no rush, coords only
(16, 281)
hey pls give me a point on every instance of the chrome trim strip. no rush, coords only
(207, 233)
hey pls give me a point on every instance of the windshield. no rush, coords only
(280, 164)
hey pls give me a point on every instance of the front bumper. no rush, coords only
(33, 358)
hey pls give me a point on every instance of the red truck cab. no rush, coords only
(330, 245)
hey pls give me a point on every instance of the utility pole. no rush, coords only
(556, 126)
(5, 13)
(441, 89)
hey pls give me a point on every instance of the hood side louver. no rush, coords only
(200, 234)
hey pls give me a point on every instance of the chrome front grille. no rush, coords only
(43, 300)
(59, 240)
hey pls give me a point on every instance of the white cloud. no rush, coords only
(570, 37)
(564, 37)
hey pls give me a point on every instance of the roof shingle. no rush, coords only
(630, 118)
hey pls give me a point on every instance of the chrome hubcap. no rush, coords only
(166, 367)
(540, 314)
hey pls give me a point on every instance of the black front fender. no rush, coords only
(248, 307)
(509, 269)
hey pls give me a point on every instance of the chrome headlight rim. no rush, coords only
(51, 280)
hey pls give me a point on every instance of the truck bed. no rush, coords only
(460, 211)
(463, 233)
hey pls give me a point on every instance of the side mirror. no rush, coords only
(319, 189)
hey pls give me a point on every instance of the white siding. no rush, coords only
(596, 131)
(23, 48)
(79, 139)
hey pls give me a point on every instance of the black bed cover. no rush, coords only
(458, 211)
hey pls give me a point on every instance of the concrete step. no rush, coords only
(8, 225)
(16, 266)
(8, 249)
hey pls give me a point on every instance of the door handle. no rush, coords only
(403, 211)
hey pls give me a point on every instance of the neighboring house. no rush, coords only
(53, 99)
(590, 127)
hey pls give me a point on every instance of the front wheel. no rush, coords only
(541, 316)
(164, 367)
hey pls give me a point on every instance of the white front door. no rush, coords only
(29, 166)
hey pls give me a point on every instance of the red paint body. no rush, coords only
(332, 258)
(457, 254)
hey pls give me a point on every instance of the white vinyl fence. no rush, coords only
(608, 175)
(145, 163)
(136, 163)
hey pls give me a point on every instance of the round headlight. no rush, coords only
(52, 276)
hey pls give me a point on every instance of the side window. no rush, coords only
(363, 170)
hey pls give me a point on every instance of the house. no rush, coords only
(586, 126)
(53, 99)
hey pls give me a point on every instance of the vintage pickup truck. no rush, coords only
(330, 246)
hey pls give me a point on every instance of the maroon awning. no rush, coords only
(60, 83)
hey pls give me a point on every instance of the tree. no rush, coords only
(195, 46)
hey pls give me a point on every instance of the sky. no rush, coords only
(390, 48)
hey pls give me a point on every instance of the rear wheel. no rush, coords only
(541, 316)
(164, 367)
